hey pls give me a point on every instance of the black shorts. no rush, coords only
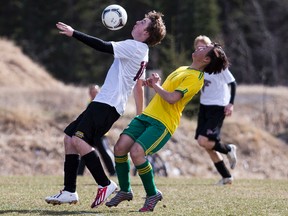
(210, 121)
(93, 123)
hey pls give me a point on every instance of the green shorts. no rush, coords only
(150, 133)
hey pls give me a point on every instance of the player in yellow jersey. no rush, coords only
(149, 132)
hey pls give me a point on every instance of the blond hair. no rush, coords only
(203, 39)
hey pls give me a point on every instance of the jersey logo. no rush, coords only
(140, 71)
(210, 132)
(206, 84)
(79, 134)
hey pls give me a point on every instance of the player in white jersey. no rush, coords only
(130, 59)
(216, 102)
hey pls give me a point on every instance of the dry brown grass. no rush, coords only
(34, 109)
(17, 70)
(266, 107)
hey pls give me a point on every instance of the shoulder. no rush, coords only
(131, 46)
(227, 71)
(129, 42)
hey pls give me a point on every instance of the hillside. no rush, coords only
(35, 108)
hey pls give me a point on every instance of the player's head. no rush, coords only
(201, 40)
(210, 58)
(218, 59)
(93, 91)
(156, 28)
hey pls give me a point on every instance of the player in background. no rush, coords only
(216, 102)
(130, 60)
(149, 132)
(102, 144)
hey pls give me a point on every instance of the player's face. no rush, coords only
(139, 29)
(200, 44)
(201, 51)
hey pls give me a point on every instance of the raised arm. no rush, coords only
(94, 42)
(65, 29)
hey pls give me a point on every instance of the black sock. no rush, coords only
(222, 169)
(94, 165)
(70, 172)
(222, 148)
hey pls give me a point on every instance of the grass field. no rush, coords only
(22, 195)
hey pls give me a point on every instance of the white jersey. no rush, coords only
(215, 90)
(130, 56)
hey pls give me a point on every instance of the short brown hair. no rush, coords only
(156, 29)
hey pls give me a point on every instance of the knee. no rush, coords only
(137, 153)
(68, 145)
(203, 141)
(75, 141)
(133, 154)
(123, 145)
(67, 140)
(118, 149)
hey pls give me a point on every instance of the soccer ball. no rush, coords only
(114, 17)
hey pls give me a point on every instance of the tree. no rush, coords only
(251, 31)
(252, 35)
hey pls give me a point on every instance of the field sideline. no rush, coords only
(22, 195)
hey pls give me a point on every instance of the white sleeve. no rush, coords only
(227, 75)
(124, 49)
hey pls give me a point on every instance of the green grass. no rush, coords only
(22, 195)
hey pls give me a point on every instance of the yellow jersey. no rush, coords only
(185, 80)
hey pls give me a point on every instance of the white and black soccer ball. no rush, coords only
(114, 17)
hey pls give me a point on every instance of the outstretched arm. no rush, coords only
(93, 42)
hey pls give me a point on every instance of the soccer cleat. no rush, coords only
(225, 181)
(62, 197)
(119, 197)
(151, 202)
(232, 157)
(103, 193)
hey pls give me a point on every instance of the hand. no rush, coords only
(147, 82)
(228, 109)
(152, 80)
(65, 29)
